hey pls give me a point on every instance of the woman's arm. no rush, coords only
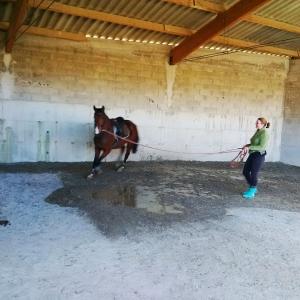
(247, 145)
(263, 140)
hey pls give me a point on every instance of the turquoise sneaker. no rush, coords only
(250, 194)
(246, 192)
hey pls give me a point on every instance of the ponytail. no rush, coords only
(265, 122)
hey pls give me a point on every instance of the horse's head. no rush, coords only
(100, 117)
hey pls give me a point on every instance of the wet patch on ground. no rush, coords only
(152, 195)
(173, 230)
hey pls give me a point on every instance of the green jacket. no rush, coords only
(259, 141)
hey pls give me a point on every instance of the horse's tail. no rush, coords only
(135, 146)
(134, 135)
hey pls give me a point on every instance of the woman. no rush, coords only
(257, 153)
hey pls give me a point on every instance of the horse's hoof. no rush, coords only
(120, 169)
(97, 170)
(91, 176)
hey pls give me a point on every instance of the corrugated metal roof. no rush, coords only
(76, 24)
(149, 10)
(162, 12)
(5, 11)
(287, 11)
(264, 35)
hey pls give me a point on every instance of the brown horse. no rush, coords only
(112, 134)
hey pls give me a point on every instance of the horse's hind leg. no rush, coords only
(119, 159)
(128, 149)
(122, 165)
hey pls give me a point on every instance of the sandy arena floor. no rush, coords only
(158, 230)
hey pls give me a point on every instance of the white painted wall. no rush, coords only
(48, 90)
(290, 149)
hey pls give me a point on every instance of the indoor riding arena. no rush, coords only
(149, 149)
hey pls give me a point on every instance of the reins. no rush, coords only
(235, 163)
(171, 151)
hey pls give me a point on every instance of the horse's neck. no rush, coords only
(107, 125)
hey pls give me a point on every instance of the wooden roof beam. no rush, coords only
(252, 46)
(169, 29)
(78, 37)
(179, 31)
(272, 23)
(106, 17)
(223, 20)
(16, 19)
(199, 4)
(217, 8)
(229, 42)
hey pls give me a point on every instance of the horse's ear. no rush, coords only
(94, 108)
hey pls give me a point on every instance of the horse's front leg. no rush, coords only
(96, 163)
(104, 154)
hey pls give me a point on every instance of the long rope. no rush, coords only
(165, 150)
(235, 163)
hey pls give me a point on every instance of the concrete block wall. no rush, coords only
(290, 149)
(49, 87)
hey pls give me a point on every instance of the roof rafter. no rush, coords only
(223, 20)
(101, 16)
(247, 45)
(199, 4)
(175, 30)
(272, 23)
(216, 8)
(218, 39)
(48, 32)
(17, 17)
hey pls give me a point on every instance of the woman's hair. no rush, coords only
(265, 122)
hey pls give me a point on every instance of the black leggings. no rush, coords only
(252, 167)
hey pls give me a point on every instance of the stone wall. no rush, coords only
(290, 149)
(49, 87)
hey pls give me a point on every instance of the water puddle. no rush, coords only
(136, 197)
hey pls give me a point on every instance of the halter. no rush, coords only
(98, 128)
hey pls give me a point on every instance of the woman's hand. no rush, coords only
(245, 149)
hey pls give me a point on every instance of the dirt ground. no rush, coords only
(147, 195)
(150, 207)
